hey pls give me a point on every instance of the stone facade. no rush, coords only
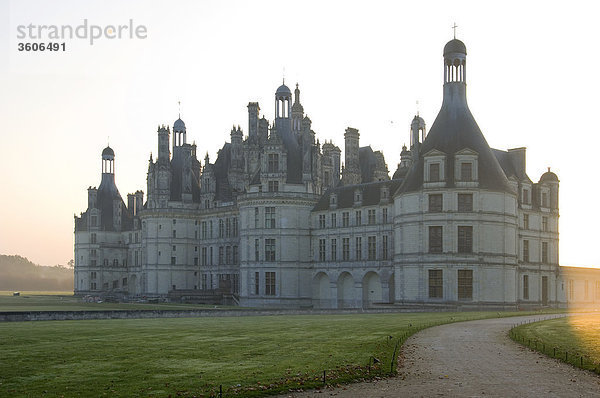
(277, 221)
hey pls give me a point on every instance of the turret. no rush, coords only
(253, 110)
(352, 171)
(163, 144)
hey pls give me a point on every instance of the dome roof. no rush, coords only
(549, 176)
(455, 46)
(108, 152)
(283, 89)
(179, 125)
(418, 120)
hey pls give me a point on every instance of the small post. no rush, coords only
(566, 356)
(325, 377)
(220, 390)
(581, 357)
(554, 355)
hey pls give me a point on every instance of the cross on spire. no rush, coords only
(179, 105)
(454, 29)
(417, 107)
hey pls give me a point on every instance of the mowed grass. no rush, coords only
(569, 339)
(65, 301)
(248, 356)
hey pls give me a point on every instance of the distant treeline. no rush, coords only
(18, 273)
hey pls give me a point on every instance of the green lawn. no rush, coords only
(570, 339)
(65, 301)
(193, 356)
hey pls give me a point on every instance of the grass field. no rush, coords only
(248, 356)
(65, 301)
(574, 339)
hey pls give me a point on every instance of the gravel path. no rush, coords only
(472, 359)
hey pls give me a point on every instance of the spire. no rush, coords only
(454, 29)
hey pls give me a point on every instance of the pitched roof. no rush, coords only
(371, 194)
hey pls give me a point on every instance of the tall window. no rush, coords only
(269, 283)
(384, 247)
(235, 226)
(544, 199)
(228, 227)
(358, 215)
(235, 255)
(93, 238)
(434, 172)
(273, 186)
(384, 215)
(345, 249)
(321, 249)
(221, 228)
(525, 221)
(269, 217)
(435, 202)
(358, 248)
(210, 229)
(545, 252)
(269, 249)
(345, 219)
(204, 256)
(465, 239)
(526, 287)
(174, 233)
(465, 284)
(228, 255)
(333, 220)
(221, 255)
(204, 281)
(257, 283)
(526, 251)
(545, 224)
(333, 249)
(436, 283)
(371, 216)
(256, 250)
(321, 221)
(256, 218)
(435, 239)
(203, 230)
(273, 163)
(465, 202)
(372, 247)
(526, 196)
(466, 171)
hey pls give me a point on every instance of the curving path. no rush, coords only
(473, 359)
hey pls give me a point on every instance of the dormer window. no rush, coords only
(357, 196)
(544, 199)
(333, 201)
(466, 171)
(526, 196)
(273, 163)
(434, 172)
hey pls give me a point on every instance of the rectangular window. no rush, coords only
(136, 256)
(525, 221)
(465, 284)
(434, 172)
(210, 257)
(544, 199)
(545, 224)
(174, 233)
(204, 282)
(384, 215)
(465, 202)
(221, 255)
(269, 217)
(333, 249)
(526, 196)
(256, 250)
(321, 249)
(466, 171)
(93, 221)
(93, 238)
(273, 163)
(435, 202)
(204, 256)
(221, 228)
(333, 220)
(436, 283)
(195, 234)
(384, 247)
(358, 249)
(371, 216)
(435, 239)
(321, 221)
(235, 226)
(210, 229)
(195, 260)
(525, 287)
(358, 215)
(203, 230)
(93, 275)
(273, 186)
(465, 239)
(257, 283)
(173, 260)
(269, 249)
(256, 218)
(269, 283)
(228, 227)
(93, 263)
(93, 286)
(345, 219)
(526, 251)
(235, 255)
(544, 252)
(346, 249)
(372, 247)
(228, 255)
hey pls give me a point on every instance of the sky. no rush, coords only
(531, 75)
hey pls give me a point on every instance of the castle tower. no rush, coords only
(283, 109)
(179, 133)
(352, 164)
(417, 135)
(163, 144)
(297, 111)
(108, 163)
(253, 110)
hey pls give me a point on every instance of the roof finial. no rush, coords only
(108, 140)
(417, 107)
(284, 75)
(454, 28)
(179, 105)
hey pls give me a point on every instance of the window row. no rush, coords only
(544, 227)
(464, 284)
(544, 251)
(436, 202)
(372, 219)
(269, 246)
(465, 239)
(226, 255)
(357, 249)
(269, 284)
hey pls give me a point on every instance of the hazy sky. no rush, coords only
(531, 72)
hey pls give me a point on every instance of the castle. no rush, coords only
(278, 221)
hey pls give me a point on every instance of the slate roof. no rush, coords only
(371, 194)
